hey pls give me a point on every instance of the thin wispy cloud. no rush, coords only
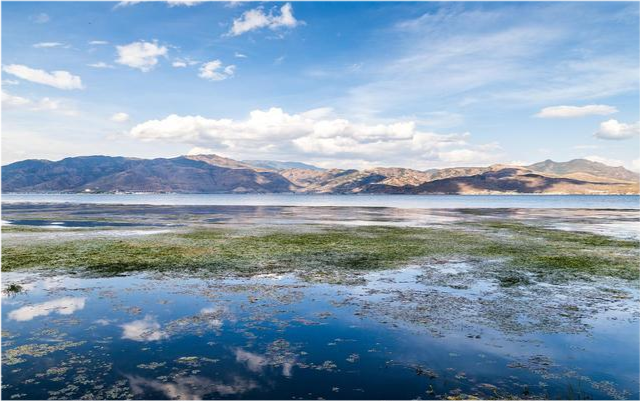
(58, 79)
(576, 111)
(48, 45)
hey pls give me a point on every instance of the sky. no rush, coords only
(335, 84)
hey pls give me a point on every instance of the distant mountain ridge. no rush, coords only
(216, 174)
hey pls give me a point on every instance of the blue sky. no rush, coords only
(358, 84)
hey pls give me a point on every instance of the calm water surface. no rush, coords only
(431, 331)
(397, 334)
(398, 201)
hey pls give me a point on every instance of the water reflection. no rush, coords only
(62, 306)
(147, 329)
(432, 331)
(190, 388)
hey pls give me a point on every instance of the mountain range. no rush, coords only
(215, 174)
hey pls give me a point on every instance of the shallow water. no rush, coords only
(407, 333)
(398, 201)
(622, 223)
(433, 330)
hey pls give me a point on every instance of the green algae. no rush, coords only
(549, 254)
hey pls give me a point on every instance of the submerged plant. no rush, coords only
(13, 289)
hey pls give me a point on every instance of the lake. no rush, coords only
(398, 201)
(444, 326)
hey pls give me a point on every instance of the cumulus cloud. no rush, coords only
(141, 55)
(57, 79)
(147, 329)
(257, 19)
(9, 100)
(615, 130)
(315, 133)
(576, 111)
(239, 55)
(120, 117)
(215, 71)
(62, 306)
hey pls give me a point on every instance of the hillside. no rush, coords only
(109, 174)
(216, 174)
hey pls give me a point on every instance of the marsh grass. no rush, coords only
(517, 247)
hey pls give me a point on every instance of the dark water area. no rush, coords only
(395, 334)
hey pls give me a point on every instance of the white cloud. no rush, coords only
(120, 117)
(239, 55)
(483, 154)
(147, 329)
(98, 42)
(313, 134)
(605, 160)
(613, 129)
(635, 165)
(60, 106)
(62, 306)
(10, 82)
(9, 100)
(141, 55)
(184, 62)
(47, 44)
(233, 4)
(100, 64)
(57, 79)
(576, 111)
(126, 4)
(214, 71)
(257, 19)
(454, 56)
(170, 3)
(198, 150)
(187, 3)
